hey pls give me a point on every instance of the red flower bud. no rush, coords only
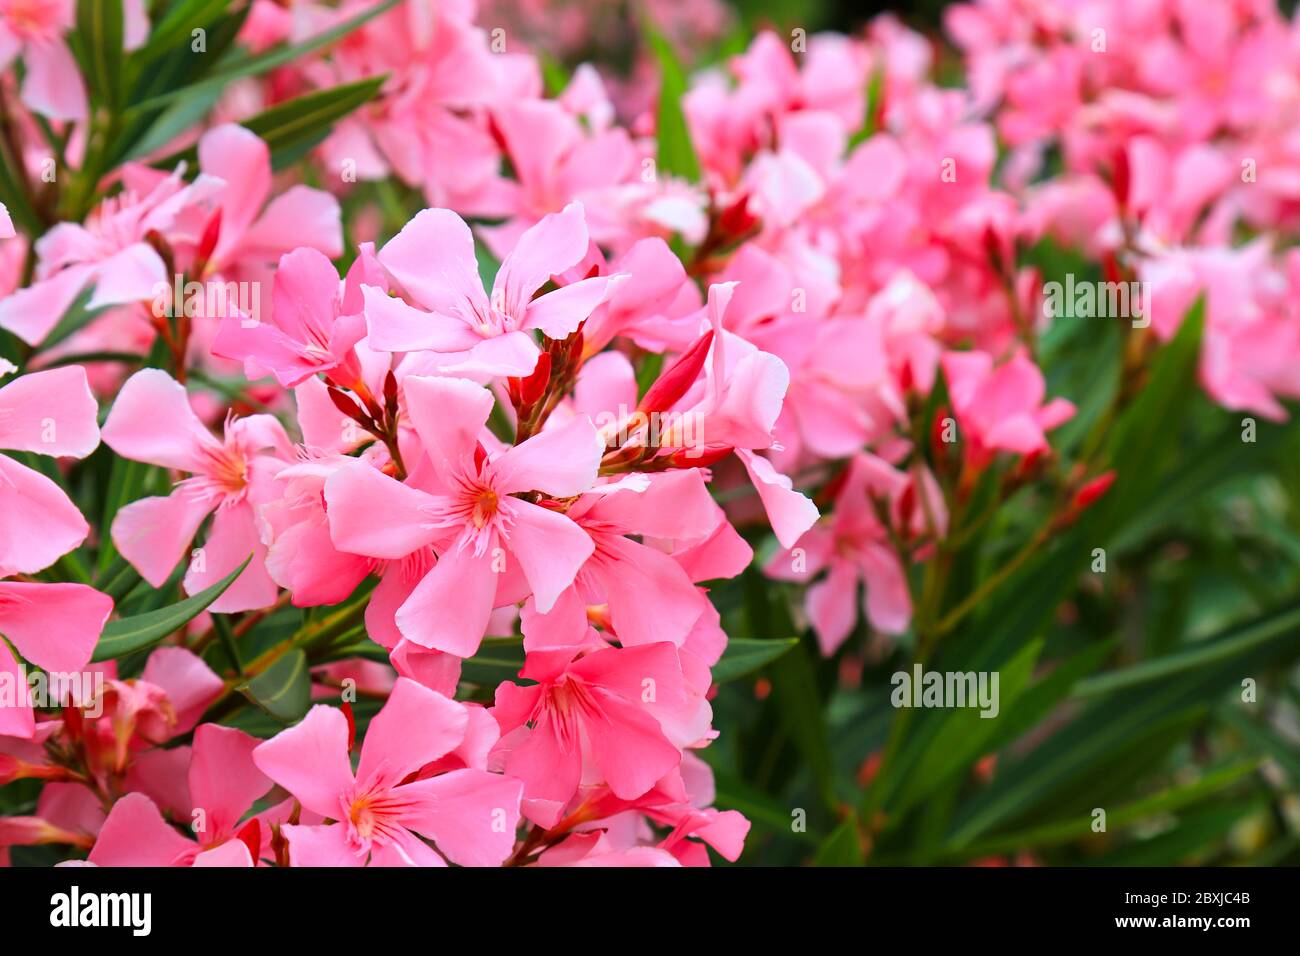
(352, 724)
(1121, 180)
(1093, 490)
(693, 458)
(207, 243)
(532, 388)
(251, 836)
(674, 383)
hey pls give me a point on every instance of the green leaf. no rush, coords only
(964, 736)
(100, 25)
(676, 155)
(174, 120)
(1125, 710)
(270, 59)
(1042, 697)
(733, 794)
(1207, 657)
(283, 690)
(1167, 801)
(1263, 739)
(794, 689)
(136, 633)
(78, 316)
(744, 655)
(177, 27)
(298, 123)
(13, 193)
(842, 847)
(498, 659)
(1147, 438)
(1193, 833)
(118, 579)
(875, 90)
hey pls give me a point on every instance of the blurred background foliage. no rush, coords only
(1121, 691)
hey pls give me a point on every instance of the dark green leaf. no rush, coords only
(272, 58)
(745, 655)
(677, 155)
(283, 690)
(100, 25)
(843, 847)
(136, 633)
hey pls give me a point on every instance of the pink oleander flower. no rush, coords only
(34, 29)
(314, 323)
(152, 421)
(223, 783)
(856, 549)
(494, 545)
(433, 261)
(429, 125)
(559, 159)
(111, 252)
(1001, 409)
(251, 229)
(722, 395)
(601, 717)
(141, 713)
(735, 406)
(6, 223)
(649, 596)
(645, 305)
(469, 814)
(1251, 342)
(679, 803)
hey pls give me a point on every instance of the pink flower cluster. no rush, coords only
(474, 458)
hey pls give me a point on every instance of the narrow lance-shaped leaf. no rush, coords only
(100, 27)
(131, 634)
(745, 655)
(677, 155)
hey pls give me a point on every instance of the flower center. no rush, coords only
(485, 507)
(373, 817)
(231, 472)
(33, 19)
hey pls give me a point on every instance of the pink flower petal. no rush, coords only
(223, 779)
(300, 217)
(55, 626)
(471, 814)
(558, 314)
(320, 846)
(135, 834)
(152, 421)
(233, 537)
(375, 515)
(53, 84)
(415, 727)
(449, 610)
(398, 327)
(38, 522)
(50, 413)
(551, 247)
(310, 760)
(448, 415)
(433, 259)
(154, 534)
(561, 461)
(549, 547)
